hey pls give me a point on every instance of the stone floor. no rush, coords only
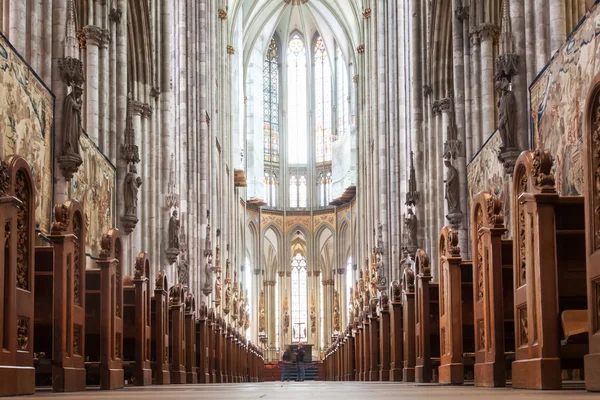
(318, 391)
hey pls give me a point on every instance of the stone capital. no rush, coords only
(462, 12)
(489, 31)
(446, 104)
(147, 110)
(137, 107)
(96, 36)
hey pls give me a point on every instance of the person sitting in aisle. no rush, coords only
(300, 363)
(286, 364)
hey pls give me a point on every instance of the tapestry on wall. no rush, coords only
(94, 185)
(485, 173)
(26, 112)
(558, 99)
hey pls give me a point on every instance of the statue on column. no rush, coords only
(410, 223)
(507, 111)
(72, 121)
(452, 188)
(132, 186)
(174, 231)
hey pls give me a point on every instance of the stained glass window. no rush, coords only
(323, 102)
(271, 104)
(297, 109)
(299, 299)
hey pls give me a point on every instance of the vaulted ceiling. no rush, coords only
(335, 20)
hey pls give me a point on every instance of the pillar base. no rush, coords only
(162, 378)
(365, 377)
(111, 379)
(384, 376)
(191, 377)
(538, 373)
(592, 372)
(147, 378)
(491, 375)
(177, 377)
(408, 374)
(68, 379)
(452, 374)
(16, 381)
(421, 374)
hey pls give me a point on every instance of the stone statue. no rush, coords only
(72, 121)
(507, 111)
(452, 188)
(183, 272)
(410, 223)
(132, 186)
(174, 231)
(218, 291)
(227, 296)
(235, 304)
(262, 321)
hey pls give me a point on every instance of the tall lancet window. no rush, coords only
(271, 104)
(343, 94)
(296, 112)
(323, 102)
(299, 299)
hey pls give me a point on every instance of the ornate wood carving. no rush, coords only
(23, 193)
(23, 333)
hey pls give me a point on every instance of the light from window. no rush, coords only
(342, 103)
(323, 102)
(271, 104)
(293, 192)
(302, 193)
(297, 112)
(299, 299)
(248, 288)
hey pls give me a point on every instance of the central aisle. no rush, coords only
(319, 391)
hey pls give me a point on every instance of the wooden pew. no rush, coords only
(17, 264)
(191, 345)
(212, 346)
(104, 301)
(491, 299)
(396, 332)
(160, 330)
(177, 334)
(366, 345)
(592, 226)
(137, 329)
(60, 301)
(384, 338)
(358, 346)
(456, 310)
(202, 344)
(408, 302)
(551, 274)
(427, 320)
(351, 368)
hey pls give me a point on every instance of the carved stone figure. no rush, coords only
(132, 186)
(262, 321)
(452, 188)
(72, 121)
(227, 296)
(174, 231)
(507, 111)
(217, 292)
(410, 223)
(183, 272)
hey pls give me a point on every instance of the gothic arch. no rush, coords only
(271, 251)
(324, 240)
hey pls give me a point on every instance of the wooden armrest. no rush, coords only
(574, 322)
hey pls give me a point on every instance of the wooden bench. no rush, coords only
(202, 344)
(396, 332)
(408, 313)
(17, 264)
(550, 277)
(104, 315)
(191, 375)
(160, 330)
(137, 329)
(177, 334)
(456, 311)
(59, 341)
(492, 297)
(427, 320)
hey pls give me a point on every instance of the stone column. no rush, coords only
(558, 29)
(103, 90)
(541, 34)
(165, 134)
(94, 36)
(476, 89)
(519, 81)
(489, 34)
(17, 26)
